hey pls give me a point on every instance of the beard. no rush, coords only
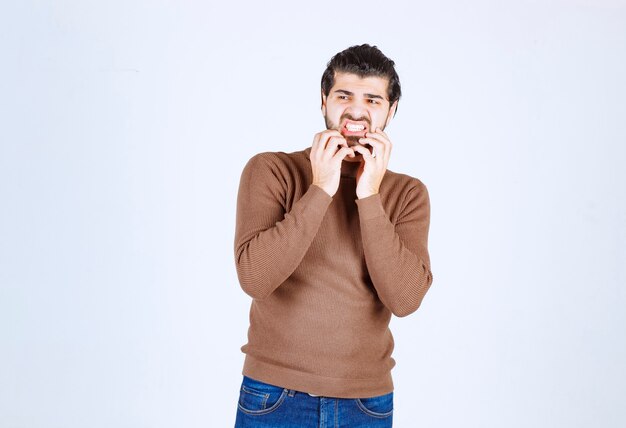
(351, 139)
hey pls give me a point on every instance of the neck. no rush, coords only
(350, 167)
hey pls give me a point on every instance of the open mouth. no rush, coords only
(354, 128)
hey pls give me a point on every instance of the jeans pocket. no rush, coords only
(259, 398)
(379, 407)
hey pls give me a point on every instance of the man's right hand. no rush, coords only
(327, 153)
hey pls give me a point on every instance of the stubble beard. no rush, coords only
(351, 140)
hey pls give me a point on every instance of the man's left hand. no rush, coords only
(373, 168)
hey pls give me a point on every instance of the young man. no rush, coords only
(329, 243)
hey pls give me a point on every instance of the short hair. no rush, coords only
(364, 61)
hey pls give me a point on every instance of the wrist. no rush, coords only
(321, 187)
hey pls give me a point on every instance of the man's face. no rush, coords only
(357, 105)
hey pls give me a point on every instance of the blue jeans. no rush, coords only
(264, 405)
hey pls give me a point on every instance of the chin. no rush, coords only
(352, 140)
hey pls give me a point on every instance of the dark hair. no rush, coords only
(364, 61)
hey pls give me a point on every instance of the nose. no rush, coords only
(357, 109)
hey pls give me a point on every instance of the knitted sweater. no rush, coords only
(326, 273)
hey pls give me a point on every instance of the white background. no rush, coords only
(124, 127)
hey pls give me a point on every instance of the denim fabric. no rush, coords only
(262, 405)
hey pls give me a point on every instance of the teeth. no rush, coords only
(354, 128)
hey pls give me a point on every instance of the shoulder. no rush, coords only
(403, 194)
(279, 158)
(287, 171)
(279, 161)
(405, 183)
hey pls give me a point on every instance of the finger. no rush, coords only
(380, 137)
(320, 140)
(342, 153)
(383, 147)
(364, 152)
(333, 144)
(337, 141)
(376, 145)
(332, 141)
(383, 133)
(315, 145)
(326, 135)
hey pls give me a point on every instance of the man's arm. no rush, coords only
(397, 256)
(270, 243)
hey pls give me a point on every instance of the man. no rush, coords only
(329, 243)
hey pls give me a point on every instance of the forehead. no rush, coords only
(366, 85)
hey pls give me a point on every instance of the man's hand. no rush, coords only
(371, 172)
(327, 152)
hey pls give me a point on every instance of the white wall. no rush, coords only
(124, 126)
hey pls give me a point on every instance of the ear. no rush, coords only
(392, 111)
(323, 103)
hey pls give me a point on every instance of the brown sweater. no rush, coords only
(326, 273)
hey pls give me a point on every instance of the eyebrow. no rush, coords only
(343, 91)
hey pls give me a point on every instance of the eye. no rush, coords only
(372, 101)
(342, 97)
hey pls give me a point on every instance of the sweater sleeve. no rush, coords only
(397, 255)
(270, 242)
